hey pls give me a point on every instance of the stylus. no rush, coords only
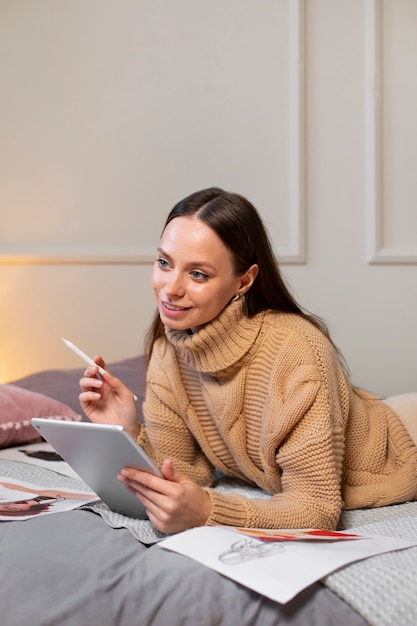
(84, 356)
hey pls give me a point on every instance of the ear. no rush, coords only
(246, 280)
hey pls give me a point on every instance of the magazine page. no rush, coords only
(20, 501)
(276, 569)
(41, 454)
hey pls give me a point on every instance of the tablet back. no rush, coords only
(97, 452)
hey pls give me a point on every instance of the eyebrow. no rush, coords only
(191, 264)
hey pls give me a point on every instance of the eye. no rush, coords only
(199, 275)
(163, 264)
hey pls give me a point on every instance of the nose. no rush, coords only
(174, 286)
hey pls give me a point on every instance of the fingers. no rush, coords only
(100, 361)
(90, 377)
(90, 385)
(105, 399)
(160, 506)
(93, 378)
(172, 505)
(168, 471)
(148, 488)
(96, 369)
(141, 480)
(100, 364)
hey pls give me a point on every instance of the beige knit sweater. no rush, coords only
(266, 400)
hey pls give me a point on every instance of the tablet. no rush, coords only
(97, 452)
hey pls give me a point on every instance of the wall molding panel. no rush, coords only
(295, 253)
(378, 251)
(291, 251)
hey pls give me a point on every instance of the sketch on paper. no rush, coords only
(249, 549)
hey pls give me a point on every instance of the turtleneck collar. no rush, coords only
(218, 347)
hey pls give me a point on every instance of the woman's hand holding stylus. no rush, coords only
(106, 400)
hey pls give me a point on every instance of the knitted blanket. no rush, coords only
(383, 589)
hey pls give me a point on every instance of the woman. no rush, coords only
(241, 379)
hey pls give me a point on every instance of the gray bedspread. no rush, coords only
(74, 569)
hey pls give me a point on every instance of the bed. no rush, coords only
(89, 567)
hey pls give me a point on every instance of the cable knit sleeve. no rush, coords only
(166, 434)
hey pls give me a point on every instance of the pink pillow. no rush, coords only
(18, 406)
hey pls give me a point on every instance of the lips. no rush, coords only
(172, 307)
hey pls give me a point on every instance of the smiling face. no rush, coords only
(193, 277)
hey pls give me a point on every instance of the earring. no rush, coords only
(236, 297)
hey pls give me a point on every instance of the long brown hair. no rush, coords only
(237, 223)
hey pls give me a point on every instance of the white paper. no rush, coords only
(278, 570)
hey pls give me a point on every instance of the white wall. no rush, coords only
(111, 111)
